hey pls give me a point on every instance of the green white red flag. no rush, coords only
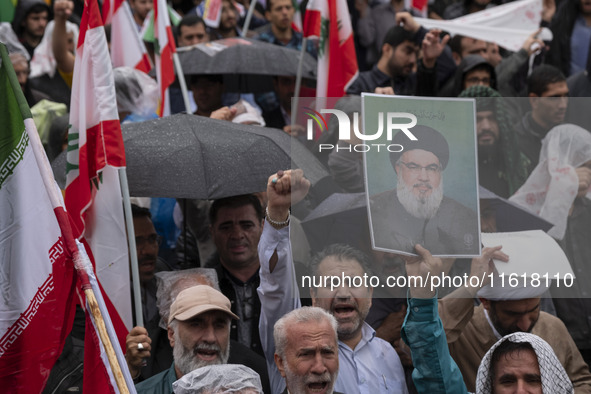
(127, 47)
(37, 279)
(330, 22)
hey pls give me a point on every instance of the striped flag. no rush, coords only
(37, 278)
(164, 48)
(329, 21)
(127, 47)
(95, 151)
(212, 13)
(93, 194)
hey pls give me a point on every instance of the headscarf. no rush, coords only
(515, 163)
(555, 380)
(136, 92)
(553, 185)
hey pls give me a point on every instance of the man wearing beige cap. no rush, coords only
(199, 332)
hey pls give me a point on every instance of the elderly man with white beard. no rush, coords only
(306, 350)
(417, 212)
(366, 363)
(199, 332)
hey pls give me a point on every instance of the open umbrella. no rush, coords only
(342, 218)
(509, 216)
(189, 156)
(247, 65)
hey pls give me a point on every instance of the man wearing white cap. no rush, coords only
(199, 332)
(471, 331)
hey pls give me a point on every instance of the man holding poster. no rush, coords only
(417, 211)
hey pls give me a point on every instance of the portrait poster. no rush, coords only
(421, 174)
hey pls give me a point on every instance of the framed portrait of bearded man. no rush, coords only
(421, 174)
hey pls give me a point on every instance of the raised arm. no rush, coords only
(435, 370)
(278, 291)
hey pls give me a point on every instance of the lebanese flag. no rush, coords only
(164, 50)
(329, 21)
(37, 280)
(95, 152)
(127, 48)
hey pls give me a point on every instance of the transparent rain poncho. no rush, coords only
(218, 379)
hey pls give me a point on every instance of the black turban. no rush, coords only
(428, 139)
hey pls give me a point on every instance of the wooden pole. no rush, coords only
(102, 331)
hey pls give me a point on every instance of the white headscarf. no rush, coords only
(554, 378)
(552, 186)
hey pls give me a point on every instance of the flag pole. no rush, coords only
(298, 84)
(181, 76)
(135, 274)
(80, 261)
(60, 213)
(253, 4)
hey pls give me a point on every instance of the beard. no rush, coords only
(186, 360)
(496, 322)
(298, 383)
(488, 152)
(417, 206)
(345, 333)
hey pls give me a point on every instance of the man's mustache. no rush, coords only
(423, 184)
(486, 133)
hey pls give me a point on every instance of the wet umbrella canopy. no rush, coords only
(189, 156)
(247, 65)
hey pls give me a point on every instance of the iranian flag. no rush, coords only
(329, 21)
(37, 278)
(127, 47)
(95, 152)
(164, 49)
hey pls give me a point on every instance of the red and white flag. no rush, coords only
(95, 152)
(93, 193)
(212, 13)
(330, 22)
(164, 50)
(127, 48)
(37, 278)
(419, 6)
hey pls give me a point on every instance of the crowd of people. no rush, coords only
(222, 307)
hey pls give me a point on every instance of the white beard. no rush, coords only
(421, 208)
(186, 360)
(298, 383)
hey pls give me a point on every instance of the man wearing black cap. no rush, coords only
(417, 212)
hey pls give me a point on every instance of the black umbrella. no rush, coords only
(509, 216)
(247, 65)
(189, 156)
(342, 218)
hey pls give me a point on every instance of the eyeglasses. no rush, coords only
(151, 240)
(416, 169)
